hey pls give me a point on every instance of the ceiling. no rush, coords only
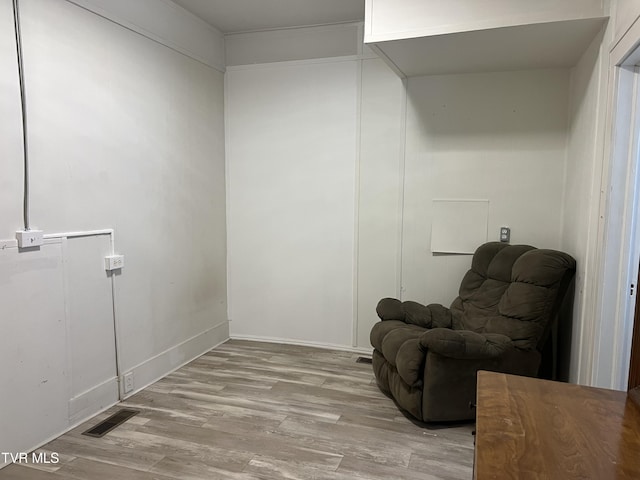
(230, 16)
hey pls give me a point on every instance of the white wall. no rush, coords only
(498, 136)
(494, 136)
(396, 19)
(125, 133)
(291, 133)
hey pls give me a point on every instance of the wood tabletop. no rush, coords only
(538, 429)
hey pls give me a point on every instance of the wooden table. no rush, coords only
(537, 429)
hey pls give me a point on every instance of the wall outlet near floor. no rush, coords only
(128, 382)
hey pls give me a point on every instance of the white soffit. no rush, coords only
(232, 16)
(543, 45)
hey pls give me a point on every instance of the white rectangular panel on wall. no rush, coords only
(459, 226)
(291, 150)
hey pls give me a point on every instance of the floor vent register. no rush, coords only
(363, 360)
(110, 423)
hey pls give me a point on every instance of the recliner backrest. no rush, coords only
(514, 290)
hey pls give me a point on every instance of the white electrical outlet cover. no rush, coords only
(30, 238)
(113, 262)
(128, 382)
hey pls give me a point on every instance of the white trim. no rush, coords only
(293, 63)
(321, 27)
(390, 63)
(356, 208)
(87, 233)
(616, 242)
(165, 363)
(402, 182)
(620, 255)
(303, 343)
(82, 406)
(631, 239)
(67, 320)
(227, 184)
(591, 268)
(368, 19)
(626, 44)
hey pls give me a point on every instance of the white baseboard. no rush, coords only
(161, 365)
(304, 343)
(89, 403)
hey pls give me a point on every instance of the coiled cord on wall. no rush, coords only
(23, 103)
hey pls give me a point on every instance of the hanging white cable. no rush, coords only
(25, 146)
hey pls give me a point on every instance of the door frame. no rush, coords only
(634, 362)
(619, 238)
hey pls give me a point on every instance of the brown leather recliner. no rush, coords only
(427, 357)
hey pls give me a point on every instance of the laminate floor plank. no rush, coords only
(261, 411)
(269, 443)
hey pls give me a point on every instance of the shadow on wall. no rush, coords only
(470, 111)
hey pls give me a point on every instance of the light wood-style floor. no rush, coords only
(250, 410)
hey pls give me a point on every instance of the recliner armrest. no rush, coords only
(465, 344)
(430, 316)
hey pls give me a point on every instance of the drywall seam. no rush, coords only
(356, 207)
(227, 156)
(402, 175)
